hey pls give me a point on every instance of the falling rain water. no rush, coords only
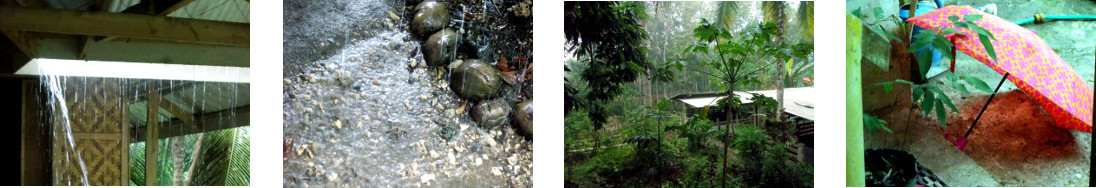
(86, 118)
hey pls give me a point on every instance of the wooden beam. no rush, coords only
(141, 50)
(163, 91)
(151, 136)
(237, 117)
(126, 25)
(98, 6)
(24, 41)
(86, 46)
(178, 112)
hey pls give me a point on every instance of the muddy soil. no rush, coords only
(1015, 143)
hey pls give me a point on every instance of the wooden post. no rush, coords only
(124, 164)
(153, 125)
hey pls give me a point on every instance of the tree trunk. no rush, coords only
(177, 160)
(597, 143)
(780, 91)
(195, 156)
(726, 132)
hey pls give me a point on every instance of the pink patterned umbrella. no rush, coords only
(1033, 65)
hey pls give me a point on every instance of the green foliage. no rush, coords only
(610, 38)
(651, 145)
(933, 100)
(871, 123)
(737, 57)
(930, 97)
(225, 159)
(760, 163)
(239, 166)
(214, 160)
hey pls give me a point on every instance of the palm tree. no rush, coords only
(774, 13)
(223, 159)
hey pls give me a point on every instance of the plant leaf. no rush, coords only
(887, 86)
(971, 17)
(947, 101)
(927, 102)
(917, 92)
(788, 66)
(920, 41)
(960, 87)
(983, 31)
(878, 12)
(890, 35)
(953, 18)
(904, 81)
(941, 114)
(943, 45)
(948, 30)
(857, 12)
(989, 47)
(978, 84)
(924, 60)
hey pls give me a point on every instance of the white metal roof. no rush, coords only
(797, 101)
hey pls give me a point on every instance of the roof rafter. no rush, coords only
(126, 25)
(232, 118)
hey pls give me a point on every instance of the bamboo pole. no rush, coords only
(854, 126)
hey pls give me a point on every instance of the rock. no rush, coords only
(522, 9)
(427, 177)
(524, 116)
(439, 47)
(393, 16)
(491, 113)
(475, 80)
(430, 16)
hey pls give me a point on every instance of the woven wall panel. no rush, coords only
(95, 107)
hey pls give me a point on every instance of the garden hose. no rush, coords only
(1040, 18)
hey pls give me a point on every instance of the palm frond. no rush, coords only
(213, 163)
(728, 13)
(805, 17)
(224, 159)
(239, 172)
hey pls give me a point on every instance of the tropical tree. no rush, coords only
(609, 39)
(728, 56)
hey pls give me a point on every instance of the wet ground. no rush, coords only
(363, 109)
(1015, 143)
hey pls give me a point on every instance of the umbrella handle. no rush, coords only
(984, 108)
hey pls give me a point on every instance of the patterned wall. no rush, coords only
(97, 113)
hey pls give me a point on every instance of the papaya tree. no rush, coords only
(732, 59)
